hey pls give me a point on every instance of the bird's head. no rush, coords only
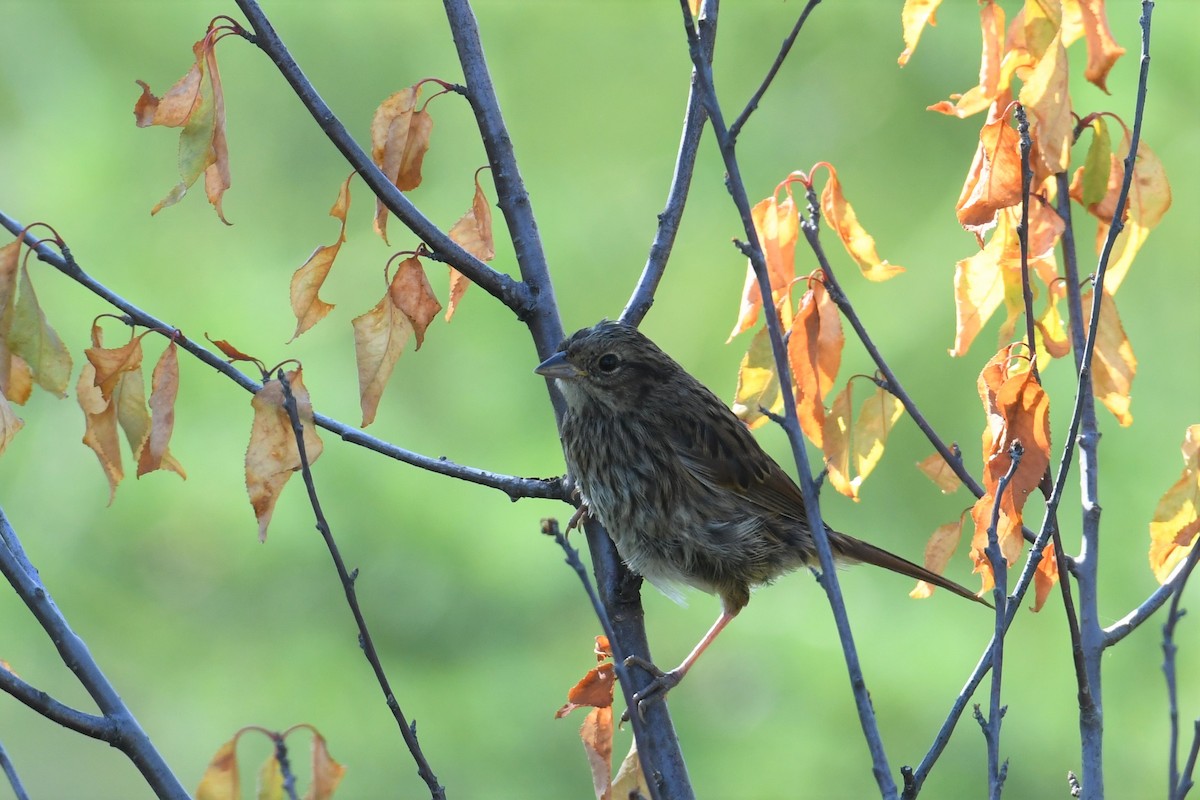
(610, 363)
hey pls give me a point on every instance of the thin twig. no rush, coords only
(685, 162)
(1175, 783)
(991, 728)
(736, 128)
(407, 731)
(508, 291)
(828, 578)
(10, 772)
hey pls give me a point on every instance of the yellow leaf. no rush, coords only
(379, 338)
(473, 232)
(1176, 523)
(1046, 98)
(308, 280)
(220, 780)
(913, 18)
(272, 455)
(992, 75)
(853, 451)
(938, 550)
(630, 780)
(857, 241)
(1113, 362)
(270, 779)
(758, 382)
(937, 470)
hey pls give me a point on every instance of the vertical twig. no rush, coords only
(10, 772)
(407, 731)
(1178, 786)
(828, 579)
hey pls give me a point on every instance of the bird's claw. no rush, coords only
(655, 690)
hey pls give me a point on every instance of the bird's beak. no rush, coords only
(557, 366)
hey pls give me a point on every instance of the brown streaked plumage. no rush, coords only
(686, 492)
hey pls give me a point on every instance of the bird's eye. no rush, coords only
(608, 362)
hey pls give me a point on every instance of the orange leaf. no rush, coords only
(994, 180)
(308, 280)
(220, 780)
(32, 339)
(596, 687)
(155, 453)
(326, 773)
(411, 293)
(1176, 523)
(758, 382)
(1017, 410)
(272, 456)
(10, 423)
(857, 241)
(1103, 51)
(938, 550)
(1149, 199)
(938, 471)
(1045, 577)
(991, 73)
(379, 338)
(1046, 98)
(231, 352)
(596, 733)
(855, 452)
(473, 232)
(1113, 362)
(803, 356)
(100, 431)
(913, 18)
(778, 228)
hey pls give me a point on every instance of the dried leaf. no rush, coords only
(220, 780)
(938, 550)
(326, 773)
(979, 287)
(854, 452)
(399, 141)
(1103, 51)
(1149, 199)
(778, 228)
(379, 338)
(758, 382)
(630, 780)
(16, 379)
(992, 79)
(1017, 409)
(307, 281)
(938, 471)
(1176, 522)
(31, 338)
(231, 352)
(913, 18)
(1045, 577)
(994, 180)
(100, 431)
(272, 455)
(1113, 362)
(473, 232)
(596, 733)
(155, 453)
(270, 780)
(10, 423)
(1046, 98)
(411, 293)
(858, 242)
(197, 103)
(815, 355)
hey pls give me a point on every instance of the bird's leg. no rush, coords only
(666, 681)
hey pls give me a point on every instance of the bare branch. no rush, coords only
(407, 731)
(501, 286)
(10, 772)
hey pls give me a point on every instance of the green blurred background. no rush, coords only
(481, 626)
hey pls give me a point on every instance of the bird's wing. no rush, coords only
(719, 451)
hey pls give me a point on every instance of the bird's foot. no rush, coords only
(578, 516)
(655, 690)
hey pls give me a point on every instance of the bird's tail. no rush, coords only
(851, 549)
